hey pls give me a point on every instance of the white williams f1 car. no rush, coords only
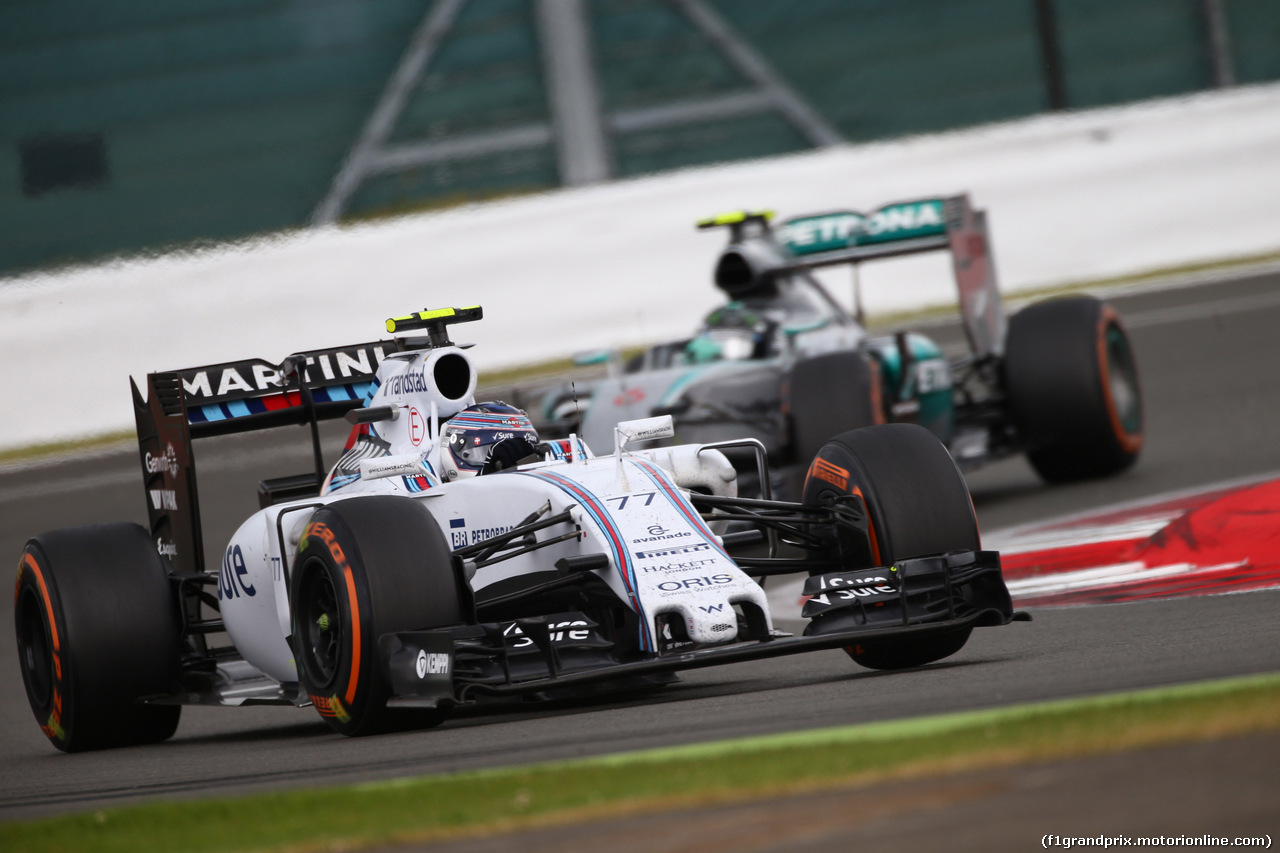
(401, 579)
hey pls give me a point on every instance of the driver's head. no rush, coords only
(731, 333)
(484, 438)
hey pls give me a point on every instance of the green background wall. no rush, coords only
(133, 125)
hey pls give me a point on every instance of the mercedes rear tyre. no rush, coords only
(917, 505)
(98, 632)
(366, 566)
(1071, 382)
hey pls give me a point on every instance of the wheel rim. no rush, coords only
(1122, 378)
(320, 624)
(33, 647)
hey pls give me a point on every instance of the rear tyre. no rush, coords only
(366, 566)
(1072, 387)
(828, 395)
(917, 505)
(98, 630)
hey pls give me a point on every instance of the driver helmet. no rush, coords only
(471, 437)
(732, 333)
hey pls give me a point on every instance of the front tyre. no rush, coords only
(917, 505)
(1071, 382)
(366, 566)
(97, 630)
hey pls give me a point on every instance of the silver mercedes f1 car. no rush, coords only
(782, 361)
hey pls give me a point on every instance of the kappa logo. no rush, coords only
(431, 664)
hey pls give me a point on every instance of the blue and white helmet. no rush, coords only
(484, 438)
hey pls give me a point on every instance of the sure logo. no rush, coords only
(233, 579)
(579, 630)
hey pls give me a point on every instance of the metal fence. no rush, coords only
(134, 125)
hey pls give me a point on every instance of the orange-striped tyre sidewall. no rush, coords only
(366, 566)
(344, 694)
(1072, 389)
(42, 642)
(98, 632)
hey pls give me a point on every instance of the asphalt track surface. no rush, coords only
(1208, 356)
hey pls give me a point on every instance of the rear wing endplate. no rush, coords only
(242, 396)
(233, 397)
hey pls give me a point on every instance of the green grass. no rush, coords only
(458, 805)
(95, 442)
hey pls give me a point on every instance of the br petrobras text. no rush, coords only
(1105, 841)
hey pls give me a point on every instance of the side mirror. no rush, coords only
(644, 429)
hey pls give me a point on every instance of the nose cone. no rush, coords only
(712, 622)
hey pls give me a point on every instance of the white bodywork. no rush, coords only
(633, 507)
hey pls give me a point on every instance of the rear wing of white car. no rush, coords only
(180, 406)
(759, 251)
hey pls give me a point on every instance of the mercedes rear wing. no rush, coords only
(758, 252)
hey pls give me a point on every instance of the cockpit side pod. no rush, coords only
(253, 577)
(471, 512)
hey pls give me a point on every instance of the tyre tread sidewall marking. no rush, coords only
(52, 727)
(1129, 442)
(823, 466)
(871, 525)
(326, 534)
